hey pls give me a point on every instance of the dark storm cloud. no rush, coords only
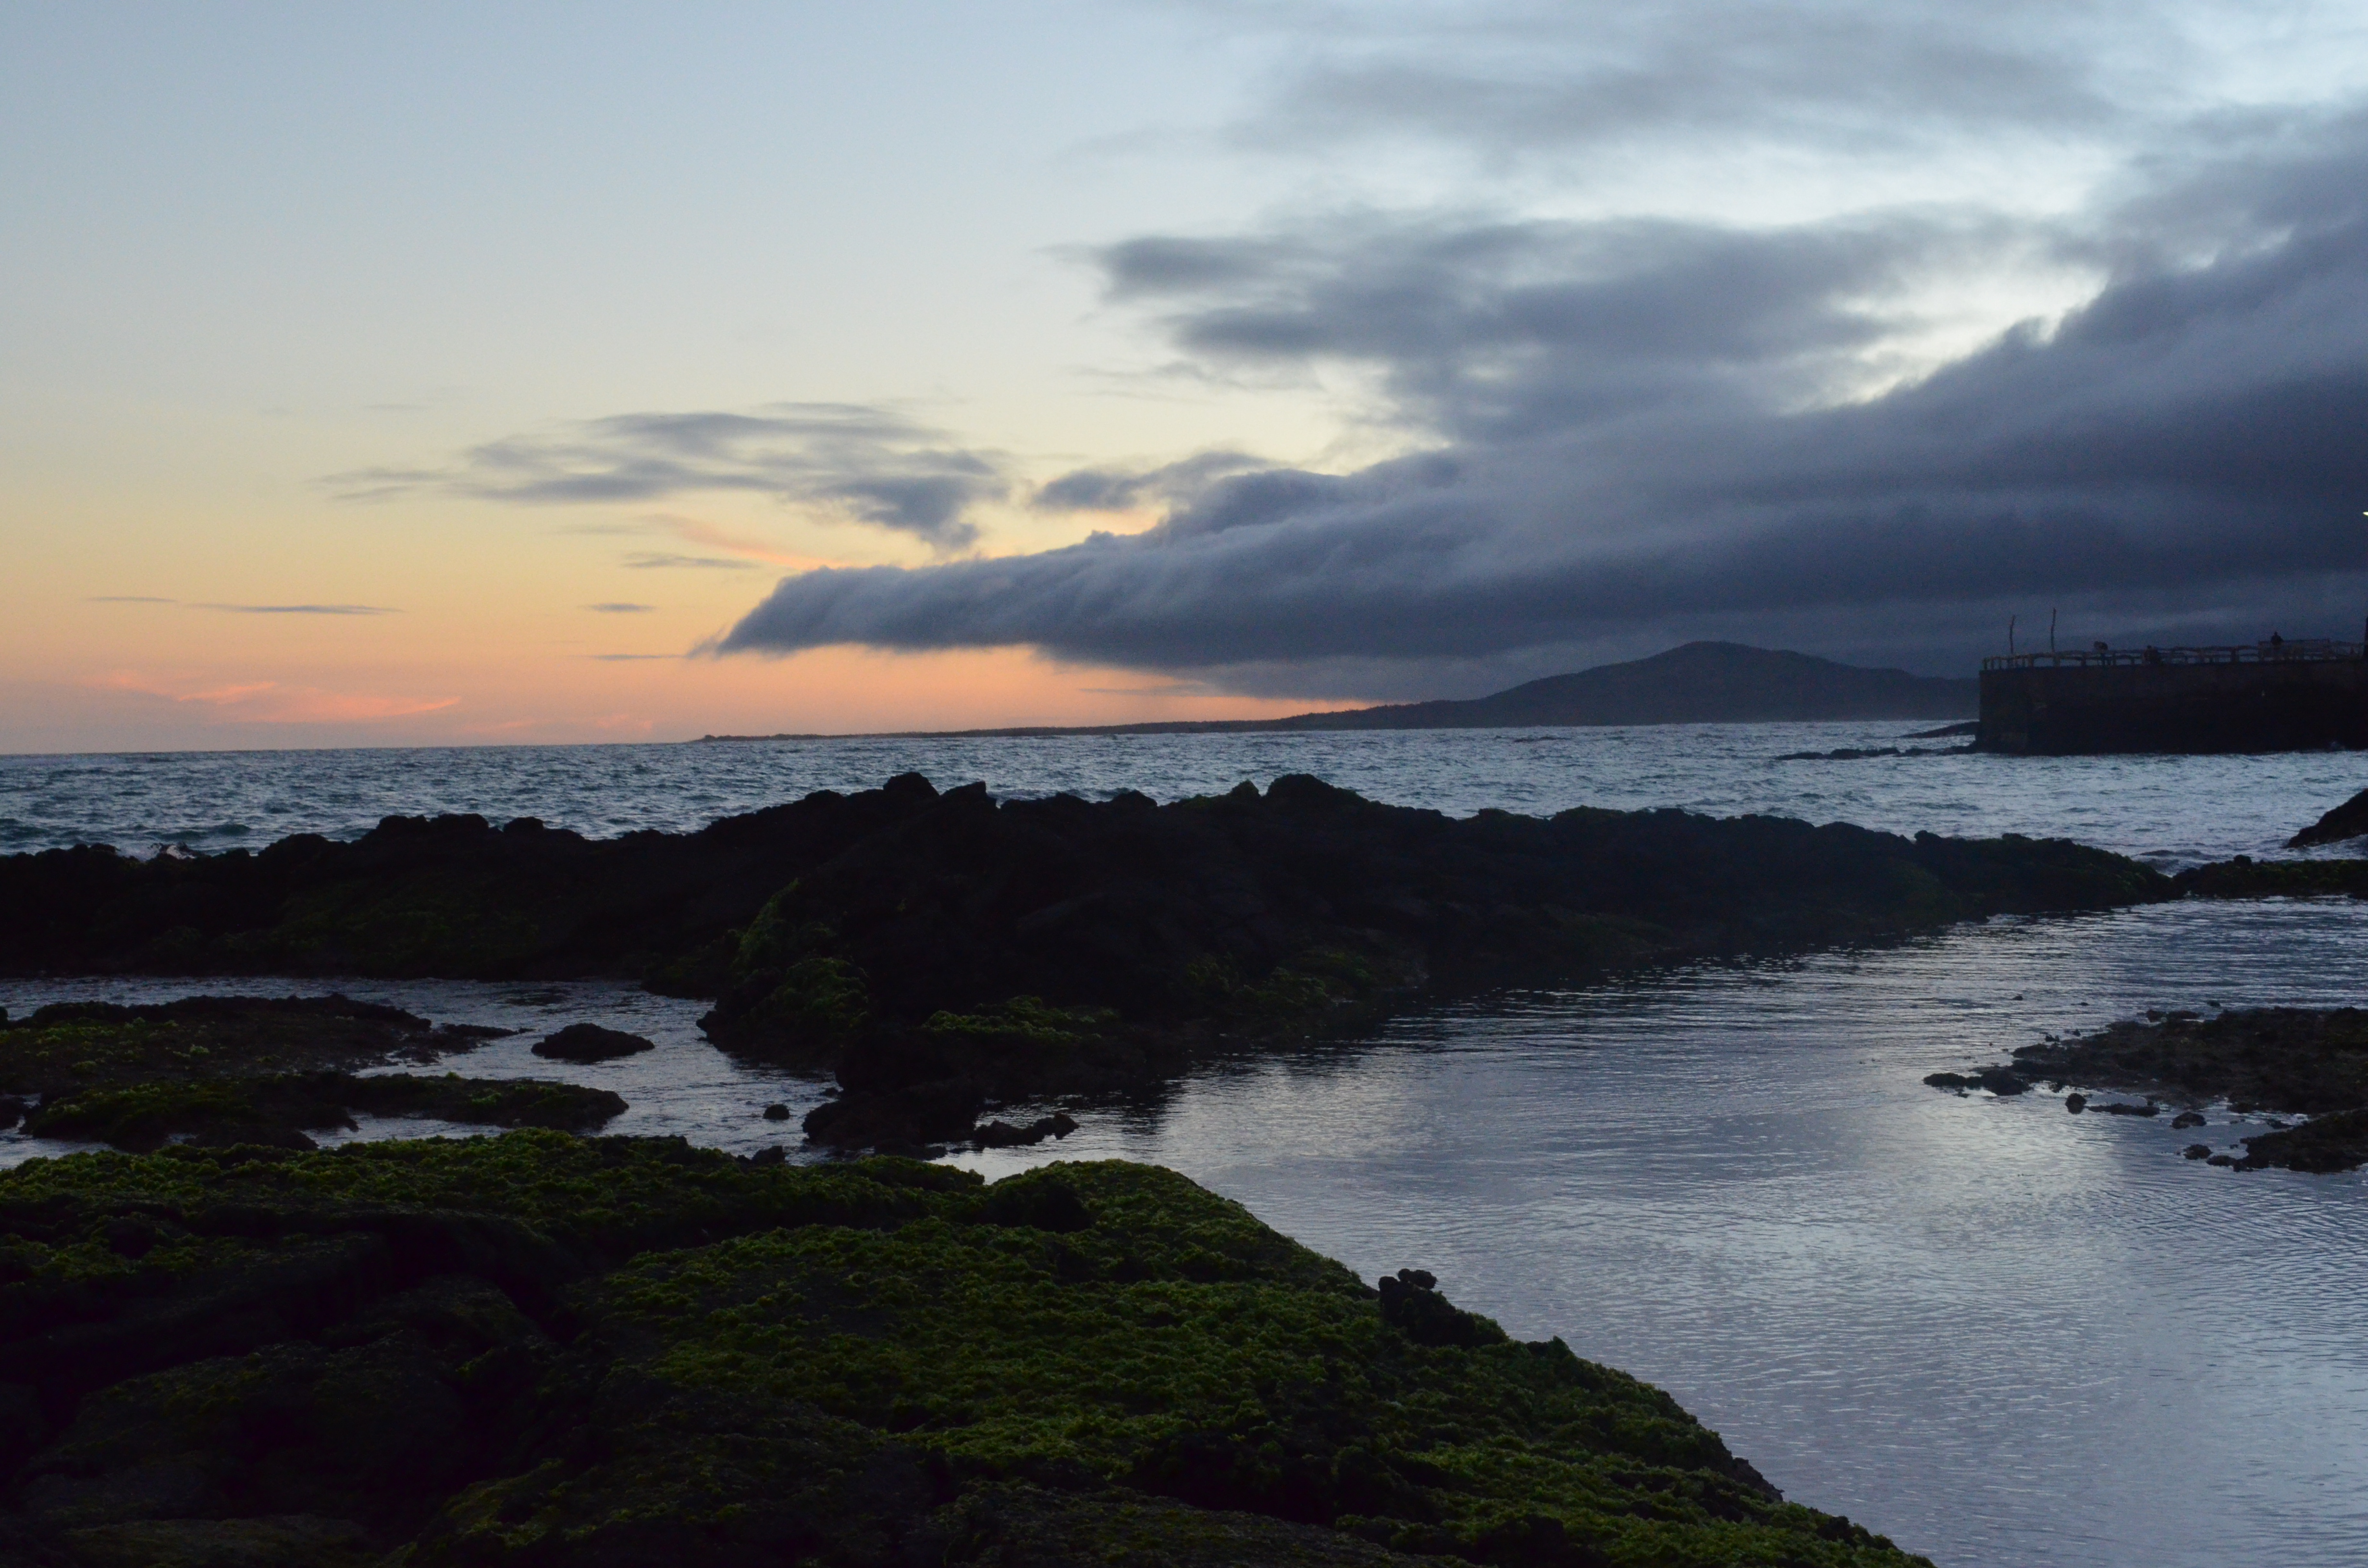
(1496, 330)
(1631, 440)
(869, 464)
(1114, 490)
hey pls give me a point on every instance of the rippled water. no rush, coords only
(1998, 1333)
(2177, 810)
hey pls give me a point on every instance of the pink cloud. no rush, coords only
(270, 702)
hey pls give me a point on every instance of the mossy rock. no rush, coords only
(1022, 1023)
(277, 1111)
(616, 1351)
(70, 1046)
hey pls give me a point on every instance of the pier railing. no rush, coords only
(2312, 649)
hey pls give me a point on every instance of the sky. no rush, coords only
(435, 374)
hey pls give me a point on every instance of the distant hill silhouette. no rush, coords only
(1701, 683)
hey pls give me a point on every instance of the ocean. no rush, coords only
(2001, 1334)
(2173, 810)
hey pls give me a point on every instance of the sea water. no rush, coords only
(1999, 1333)
(2176, 810)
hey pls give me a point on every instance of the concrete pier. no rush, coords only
(2303, 696)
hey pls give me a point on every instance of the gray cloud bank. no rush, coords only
(868, 464)
(1637, 437)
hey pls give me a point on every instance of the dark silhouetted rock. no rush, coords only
(943, 952)
(2337, 1142)
(590, 1043)
(2349, 820)
(2075, 1104)
(1412, 1304)
(2197, 1151)
(1001, 1134)
(2001, 1081)
(2295, 1059)
(2188, 1118)
(777, 1112)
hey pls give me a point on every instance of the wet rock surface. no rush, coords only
(946, 955)
(2347, 821)
(2296, 1060)
(542, 1349)
(200, 1071)
(74, 1046)
(979, 954)
(590, 1043)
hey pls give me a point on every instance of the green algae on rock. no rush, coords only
(200, 1069)
(609, 1351)
(280, 1109)
(945, 951)
(975, 952)
(71, 1046)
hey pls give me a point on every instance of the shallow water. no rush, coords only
(1998, 1333)
(2175, 810)
(683, 1085)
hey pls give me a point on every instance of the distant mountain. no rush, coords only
(1701, 683)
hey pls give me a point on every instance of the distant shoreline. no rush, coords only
(1289, 727)
(1700, 683)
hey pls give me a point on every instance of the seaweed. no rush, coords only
(617, 1351)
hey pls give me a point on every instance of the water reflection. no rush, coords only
(1995, 1332)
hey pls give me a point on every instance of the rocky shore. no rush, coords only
(944, 953)
(216, 1072)
(543, 1349)
(2287, 1061)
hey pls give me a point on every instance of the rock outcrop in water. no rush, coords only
(549, 1352)
(943, 952)
(218, 1071)
(2347, 821)
(976, 952)
(2295, 1061)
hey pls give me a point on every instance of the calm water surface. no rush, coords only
(1998, 1333)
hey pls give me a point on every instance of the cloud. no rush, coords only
(1640, 431)
(300, 609)
(848, 462)
(621, 608)
(1516, 78)
(695, 532)
(657, 560)
(271, 702)
(247, 610)
(629, 658)
(1120, 489)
